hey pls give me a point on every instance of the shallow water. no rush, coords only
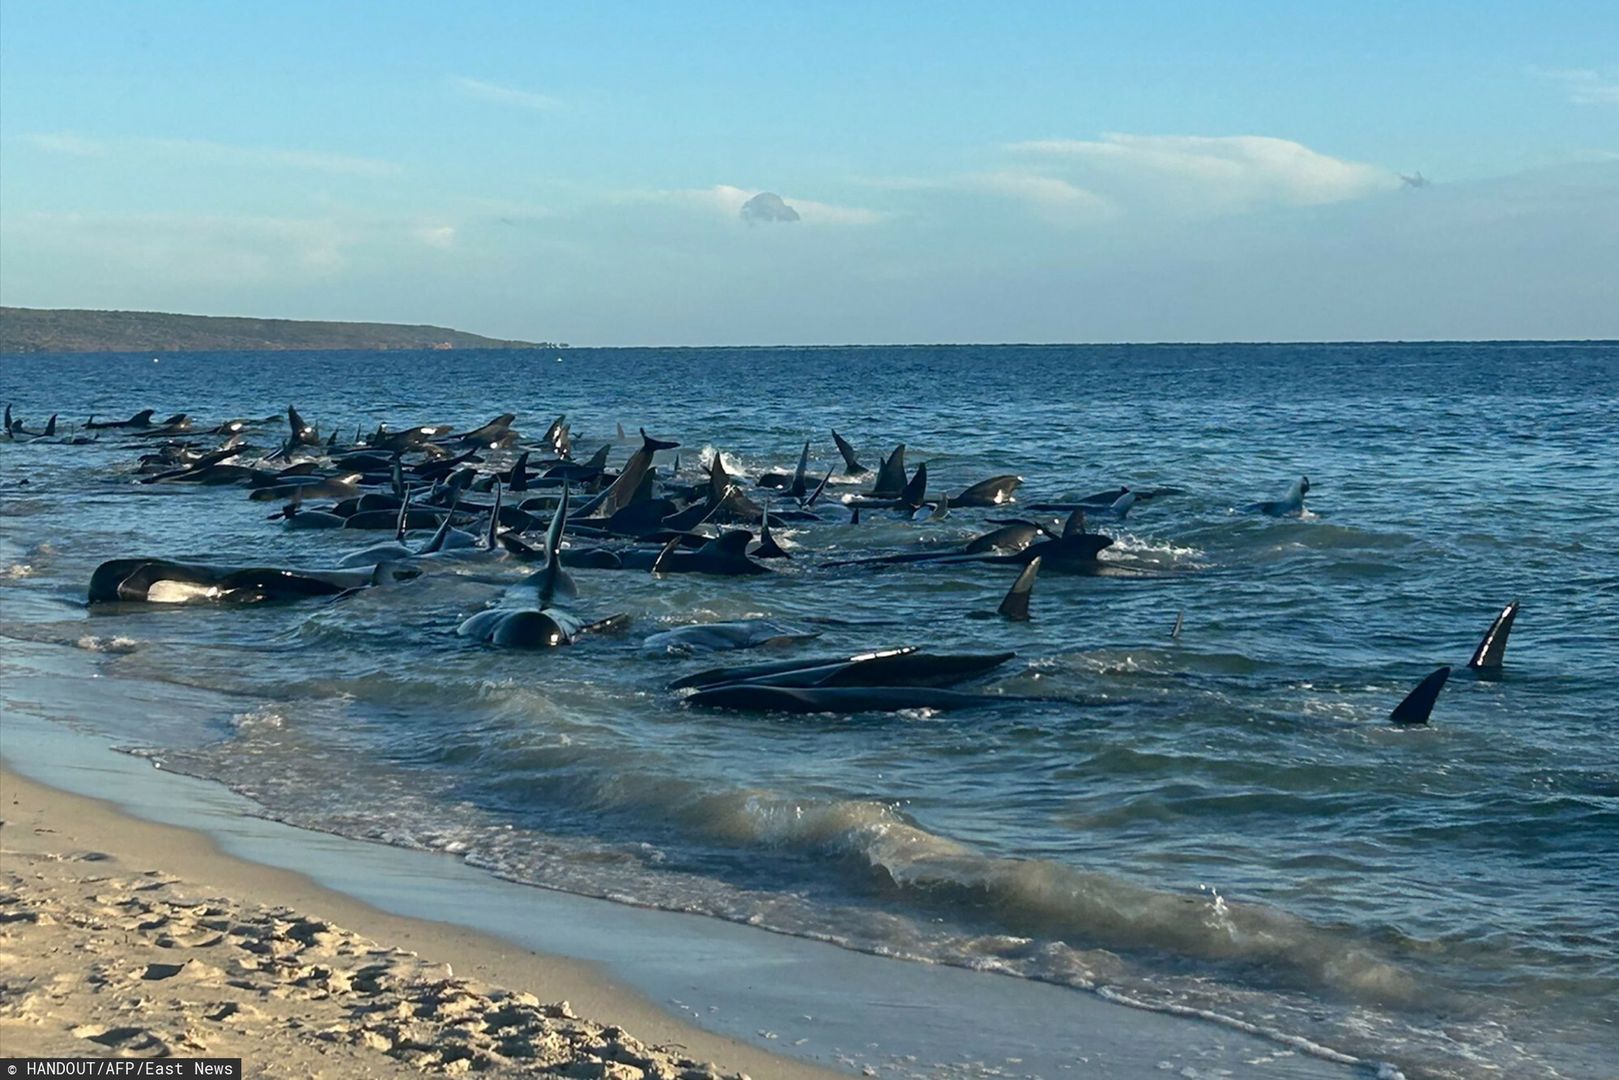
(1223, 822)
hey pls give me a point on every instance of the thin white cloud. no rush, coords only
(436, 236)
(726, 201)
(191, 248)
(272, 157)
(1200, 173)
(1585, 86)
(1051, 197)
(506, 95)
(209, 151)
(63, 142)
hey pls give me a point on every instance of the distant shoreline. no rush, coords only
(70, 330)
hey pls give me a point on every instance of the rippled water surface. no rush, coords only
(1223, 822)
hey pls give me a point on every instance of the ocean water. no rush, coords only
(1222, 824)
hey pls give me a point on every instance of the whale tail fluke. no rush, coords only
(1418, 704)
(651, 445)
(1492, 651)
(851, 464)
(1016, 604)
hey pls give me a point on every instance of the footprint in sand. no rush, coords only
(128, 1039)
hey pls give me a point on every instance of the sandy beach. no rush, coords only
(121, 937)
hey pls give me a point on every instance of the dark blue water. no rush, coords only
(1223, 823)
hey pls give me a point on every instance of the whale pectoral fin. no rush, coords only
(1418, 704)
(611, 625)
(663, 556)
(1492, 650)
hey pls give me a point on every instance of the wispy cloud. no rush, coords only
(209, 151)
(505, 95)
(1052, 197)
(1201, 172)
(1585, 86)
(63, 142)
(272, 157)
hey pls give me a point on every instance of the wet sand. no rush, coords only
(122, 937)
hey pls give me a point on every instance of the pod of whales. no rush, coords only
(441, 491)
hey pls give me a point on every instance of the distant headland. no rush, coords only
(65, 330)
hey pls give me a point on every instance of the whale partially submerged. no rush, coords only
(1289, 505)
(163, 581)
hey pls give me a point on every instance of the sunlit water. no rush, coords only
(1223, 822)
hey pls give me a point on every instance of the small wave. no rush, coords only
(116, 645)
(1156, 552)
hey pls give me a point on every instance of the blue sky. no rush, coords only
(1008, 172)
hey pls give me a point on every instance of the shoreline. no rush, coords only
(59, 849)
(769, 1004)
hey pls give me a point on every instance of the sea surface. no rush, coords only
(1222, 824)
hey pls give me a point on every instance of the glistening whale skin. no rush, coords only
(160, 581)
(904, 666)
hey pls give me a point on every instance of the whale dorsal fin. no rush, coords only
(552, 573)
(1016, 604)
(768, 548)
(1075, 525)
(598, 460)
(1418, 704)
(891, 474)
(520, 473)
(916, 489)
(797, 489)
(50, 426)
(1492, 651)
(1180, 621)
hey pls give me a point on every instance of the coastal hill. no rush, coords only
(64, 330)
